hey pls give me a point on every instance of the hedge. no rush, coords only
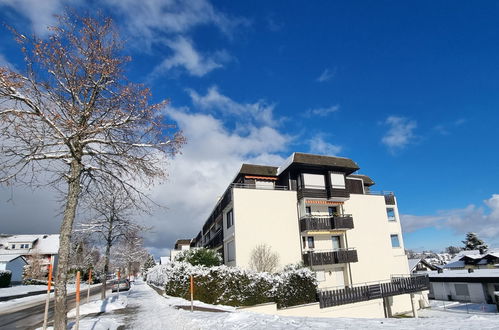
(235, 287)
(5, 276)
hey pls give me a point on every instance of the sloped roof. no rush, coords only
(413, 263)
(263, 170)
(42, 244)
(47, 244)
(367, 180)
(9, 257)
(302, 158)
(186, 241)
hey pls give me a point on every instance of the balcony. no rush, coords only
(319, 258)
(215, 241)
(339, 222)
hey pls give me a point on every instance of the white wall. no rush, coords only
(371, 238)
(441, 291)
(266, 217)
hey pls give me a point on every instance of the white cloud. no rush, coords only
(318, 145)
(5, 62)
(471, 218)
(39, 13)
(184, 55)
(260, 112)
(400, 132)
(326, 75)
(322, 112)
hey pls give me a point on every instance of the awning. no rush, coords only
(311, 201)
(260, 177)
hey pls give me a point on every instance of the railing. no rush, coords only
(316, 258)
(337, 222)
(254, 186)
(395, 286)
(215, 241)
(389, 196)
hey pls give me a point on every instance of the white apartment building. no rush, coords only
(312, 209)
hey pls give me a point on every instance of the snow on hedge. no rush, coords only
(234, 286)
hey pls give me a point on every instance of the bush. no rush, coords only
(200, 256)
(5, 276)
(235, 287)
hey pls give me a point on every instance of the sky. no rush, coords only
(408, 90)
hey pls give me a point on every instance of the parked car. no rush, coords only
(123, 285)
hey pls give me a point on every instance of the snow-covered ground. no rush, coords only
(20, 289)
(148, 310)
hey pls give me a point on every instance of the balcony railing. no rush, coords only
(337, 222)
(215, 240)
(389, 196)
(376, 290)
(318, 258)
(254, 186)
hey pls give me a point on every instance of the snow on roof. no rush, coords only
(413, 263)
(455, 264)
(43, 244)
(164, 260)
(464, 273)
(474, 254)
(20, 239)
(47, 244)
(8, 257)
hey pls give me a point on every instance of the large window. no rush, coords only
(333, 210)
(230, 219)
(314, 181)
(231, 251)
(338, 180)
(390, 212)
(395, 240)
(461, 289)
(308, 210)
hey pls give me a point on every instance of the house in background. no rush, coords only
(420, 265)
(318, 211)
(470, 285)
(15, 263)
(35, 249)
(475, 259)
(180, 245)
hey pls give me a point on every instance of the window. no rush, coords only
(461, 289)
(231, 251)
(336, 242)
(395, 240)
(304, 241)
(13, 246)
(308, 210)
(332, 210)
(314, 181)
(264, 184)
(338, 180)
(310, 241)
(320, 276)
(230, 219)
(390, 212)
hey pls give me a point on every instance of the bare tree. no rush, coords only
(130, 254)
(83, 255)
(112, 221)
(262, 259)
(73, 114)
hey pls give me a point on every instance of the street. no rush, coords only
(30, 314)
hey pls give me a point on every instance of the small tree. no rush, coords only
(453, 250)
(200, 256)
(472, 242)
(36, 269)
(149, 263)
(262, 259)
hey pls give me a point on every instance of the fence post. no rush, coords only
(192, 293)
(47, 301)
(77, 300)
(89, 282)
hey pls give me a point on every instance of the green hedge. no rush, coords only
(5, 276)
(236, 287)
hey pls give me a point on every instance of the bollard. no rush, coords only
(77, 300)
(47, 301)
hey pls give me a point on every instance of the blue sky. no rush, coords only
(407, 90)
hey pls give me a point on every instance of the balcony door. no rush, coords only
(336, 242)
(339, 277)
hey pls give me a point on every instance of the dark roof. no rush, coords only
(251, 169)
(310, 160)
(367, 180)
(182, 242)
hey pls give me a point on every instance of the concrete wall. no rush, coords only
(266, 217)
(378, 260)
(367, 309)
(441, 291)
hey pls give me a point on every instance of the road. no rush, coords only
(30, 314)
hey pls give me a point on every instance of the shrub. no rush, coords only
(5, 277)
(200, 256)
(235, 287)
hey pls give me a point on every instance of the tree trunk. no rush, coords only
(60, 314)
(106, 270)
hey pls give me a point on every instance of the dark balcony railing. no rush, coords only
(340, 222)
(217, 240)
(393, 287)
(312, 258)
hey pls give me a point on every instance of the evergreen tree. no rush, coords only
(472, 242)
(149, 263)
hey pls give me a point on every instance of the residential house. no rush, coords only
(318, 211)
(420, 265)
(180, 245)
(15, 263)
(475, 259)
(471, 285)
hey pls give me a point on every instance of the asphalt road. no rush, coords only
(30, 315)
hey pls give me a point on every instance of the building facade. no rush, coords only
(313, 209)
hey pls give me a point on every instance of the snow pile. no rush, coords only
(21, 289)
(99, 306)
(234, 286)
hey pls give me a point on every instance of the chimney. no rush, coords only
(470, 270)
